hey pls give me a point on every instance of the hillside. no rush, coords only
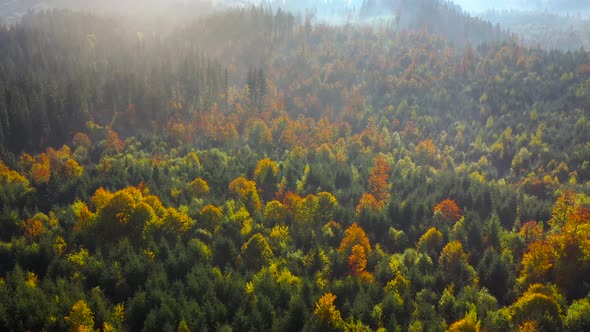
(252, 171)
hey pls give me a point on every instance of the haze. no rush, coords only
(564, 7)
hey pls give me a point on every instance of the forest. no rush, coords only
(255, 170)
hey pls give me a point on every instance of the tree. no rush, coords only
(531, 231)
(536, 263)
(454, 265)
(13, 185)
(210, 217)
(539, 303)
(81, 140)
(355, 235)
(564, 206)
(115, 215)
(80, 318)
(35, 227)
(368, 202)
(449, 210)
(275, 213)
(114, 144)
(265, 176)
(379, 180)
(199, 187)
(327, 205)
(431, 242)
(246, 191)
(307, 211)
(577, 317)
(256, 253)
(357, 261)
(326, 311)
(426, 151)
(175, 222)
(467, 324)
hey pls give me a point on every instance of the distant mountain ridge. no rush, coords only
(545, 29)
(12, 10)
(561, 24)
(442, 17)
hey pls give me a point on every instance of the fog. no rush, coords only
(563, 7)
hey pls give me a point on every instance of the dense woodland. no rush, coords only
(251, 172)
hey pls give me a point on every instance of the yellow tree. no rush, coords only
(326, 311)
(571, 246)
(306, 211)
(563, 207)
(327, 205)
(425, 151)
(536, 263)
(199, 187)
(454, 265)
(41, 170)
(256, 253)
(431, 242)
(265, 176)
(115, 214)
(80, 318)
(13, 185)
(468, 324)
(71, 169)
(245, 190)
(210, 217)
(539, 303)
(275, 213)
(175, 222)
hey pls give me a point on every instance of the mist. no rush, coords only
(562, 7)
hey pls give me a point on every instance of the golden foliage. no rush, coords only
(431, 240)
(84, 217)
(80, 318)
(275, 212)
(452, 255)
(256, 252)
(246, 191)
(531, 231)
(563, 207)
(536, 263)
(354, 235)
(326, 311)
(425, 151)
(210, 217)
(357, 261)
(34, 228)
(368, 202)
(537, 302)
(199, 187)
(265, 168)
(468, 324)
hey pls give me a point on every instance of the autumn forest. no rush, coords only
(255, 169)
